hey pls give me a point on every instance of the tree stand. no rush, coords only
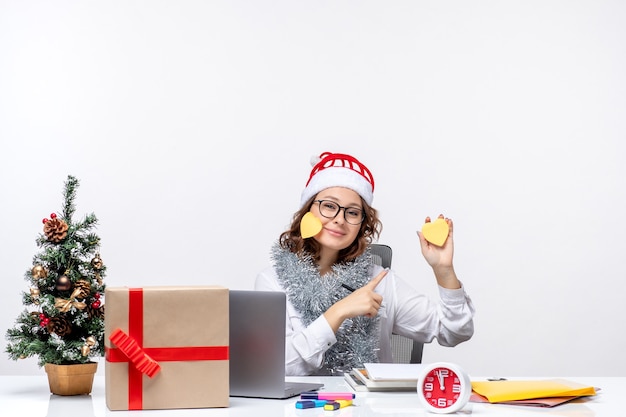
(74, 379)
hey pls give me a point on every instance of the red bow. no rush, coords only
(129, 347)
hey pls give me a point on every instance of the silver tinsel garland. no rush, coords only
(312, 294)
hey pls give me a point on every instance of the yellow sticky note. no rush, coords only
(436, 232)
(310, 225)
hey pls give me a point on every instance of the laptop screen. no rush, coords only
(257, 342)
(257, 345)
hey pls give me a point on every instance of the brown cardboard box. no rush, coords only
(178, 333)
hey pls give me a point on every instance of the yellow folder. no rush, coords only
(500, 391)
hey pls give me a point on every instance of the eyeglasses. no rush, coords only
(330, 210)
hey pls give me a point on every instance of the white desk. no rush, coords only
(26, 396)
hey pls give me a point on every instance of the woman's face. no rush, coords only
(337, 233)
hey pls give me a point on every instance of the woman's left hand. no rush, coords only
(437, 256)
(440, 257)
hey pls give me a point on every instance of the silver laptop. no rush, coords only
(257, 346)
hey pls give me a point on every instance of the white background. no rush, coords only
(190, 125)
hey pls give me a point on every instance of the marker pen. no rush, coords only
(337, 404)
(310, 403)
(312, 395)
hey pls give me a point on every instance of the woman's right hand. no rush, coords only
(363, 301)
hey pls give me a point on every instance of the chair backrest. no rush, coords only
(404, 350)
(381, 255)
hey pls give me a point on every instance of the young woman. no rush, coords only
(341, 308)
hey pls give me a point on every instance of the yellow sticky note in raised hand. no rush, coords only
(310, 225)
(436, 232)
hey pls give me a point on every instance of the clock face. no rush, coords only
(444, 388)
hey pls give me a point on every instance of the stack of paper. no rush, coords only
(384, 377)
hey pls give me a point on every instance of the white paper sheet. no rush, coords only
(385, 371)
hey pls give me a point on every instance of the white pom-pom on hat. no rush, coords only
(338, 170)
(315, 159)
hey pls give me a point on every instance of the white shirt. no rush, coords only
(404, 311)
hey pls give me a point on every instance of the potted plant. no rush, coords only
(63, 322)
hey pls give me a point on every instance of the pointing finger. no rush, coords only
(376, 280)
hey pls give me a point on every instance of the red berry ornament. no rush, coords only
(53, 215)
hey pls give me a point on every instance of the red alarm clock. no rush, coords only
(443, 387)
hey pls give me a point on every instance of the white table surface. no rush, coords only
(29, 396)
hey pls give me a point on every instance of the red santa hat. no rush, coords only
(338, 170)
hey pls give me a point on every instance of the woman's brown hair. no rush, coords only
(369, 231)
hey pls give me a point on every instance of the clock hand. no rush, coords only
(441, 384)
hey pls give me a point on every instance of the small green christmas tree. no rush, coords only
(64, 319)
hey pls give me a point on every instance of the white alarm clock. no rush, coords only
(443, 387)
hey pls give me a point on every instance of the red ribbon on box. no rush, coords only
(145, 360)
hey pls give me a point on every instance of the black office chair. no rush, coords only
(404, 350)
